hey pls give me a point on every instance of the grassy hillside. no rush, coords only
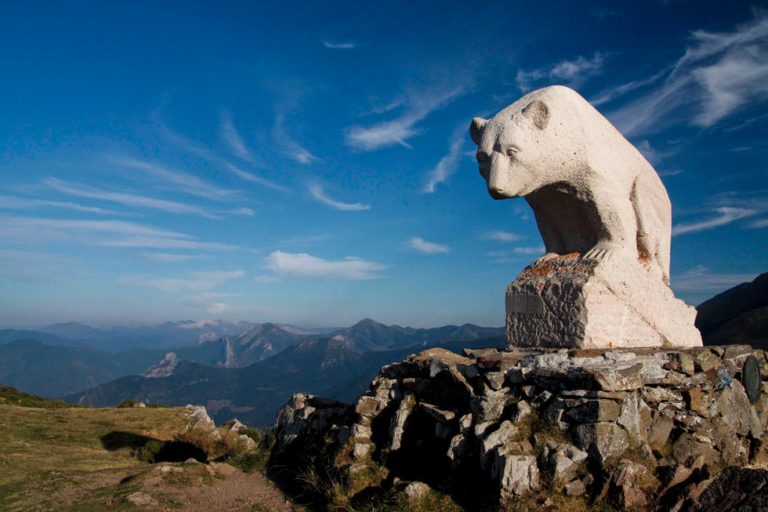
(12, 396)
(59, 458)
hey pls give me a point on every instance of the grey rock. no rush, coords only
(563, 462)
(417, 491)
(636, 418)
(602, 440)
(585, 410)
(397, 426)
(495, 380)
(575, 488)
(517, 475)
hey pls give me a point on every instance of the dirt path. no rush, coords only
(237, 492)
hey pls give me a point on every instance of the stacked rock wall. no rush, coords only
(641, 428)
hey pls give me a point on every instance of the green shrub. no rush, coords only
(148, 452)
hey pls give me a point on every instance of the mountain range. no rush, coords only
(325, 366)
(248, 373)
(52, 365)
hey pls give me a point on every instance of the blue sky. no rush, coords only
(309, 162)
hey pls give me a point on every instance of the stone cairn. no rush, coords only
(643, 429)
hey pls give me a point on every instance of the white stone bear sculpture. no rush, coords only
(592, 192)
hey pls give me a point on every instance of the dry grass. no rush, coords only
(46, 449)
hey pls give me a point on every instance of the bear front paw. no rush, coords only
(598, 253)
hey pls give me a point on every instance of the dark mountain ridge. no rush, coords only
(737, 315)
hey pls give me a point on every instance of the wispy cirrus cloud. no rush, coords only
(289, 146)
(126, 199)
(340, 45)
(306, 266)
(418, 106)
(448, 163)
(216, 159)
(109, 233)
(501, 236)
(721, 216)
(700, 283)
(253, 178)
(618, 91)
(318, 192)
(27, 203)
(420, 245)
(166, 257)
(232, 137)
(719, 74)
(195, 281)
(532, 250)
(180, 180)
(515, 254)
(570, 72)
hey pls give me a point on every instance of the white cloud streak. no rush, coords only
(165, 257)
(723, 215)
(501, 236)
(25, 203)
(211, 156)
(289, 146)
(529, 251)
(232, 137)
(719, 74)
(620, 90)
(319, 193)
(570, 72)
(196, 281)
(340, 46)
(419, 244)
(250, 177)
(399, 130)
(448, 164)
(180, 180)
(109, 233)
(701, 279)
(134, 200)
(306, 266)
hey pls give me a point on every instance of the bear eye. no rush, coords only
(512, 150)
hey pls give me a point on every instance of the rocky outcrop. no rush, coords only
(642, 428)
(162, 369)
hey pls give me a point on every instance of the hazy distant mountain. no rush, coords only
(162, 336)
(369, 335)
(53, 371)
(74, 331)
(260, 342)
(9, 335)
(738, 315)
(57, 370)
(327, 366)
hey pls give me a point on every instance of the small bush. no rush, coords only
(148, 452)
(127, 404)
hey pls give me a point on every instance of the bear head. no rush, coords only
(511, 149)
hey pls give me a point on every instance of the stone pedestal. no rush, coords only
(644, 429)
(574, 302)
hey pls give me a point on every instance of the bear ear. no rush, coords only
(476, 129)
(538, 112)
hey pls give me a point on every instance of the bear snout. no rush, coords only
(496, 192)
